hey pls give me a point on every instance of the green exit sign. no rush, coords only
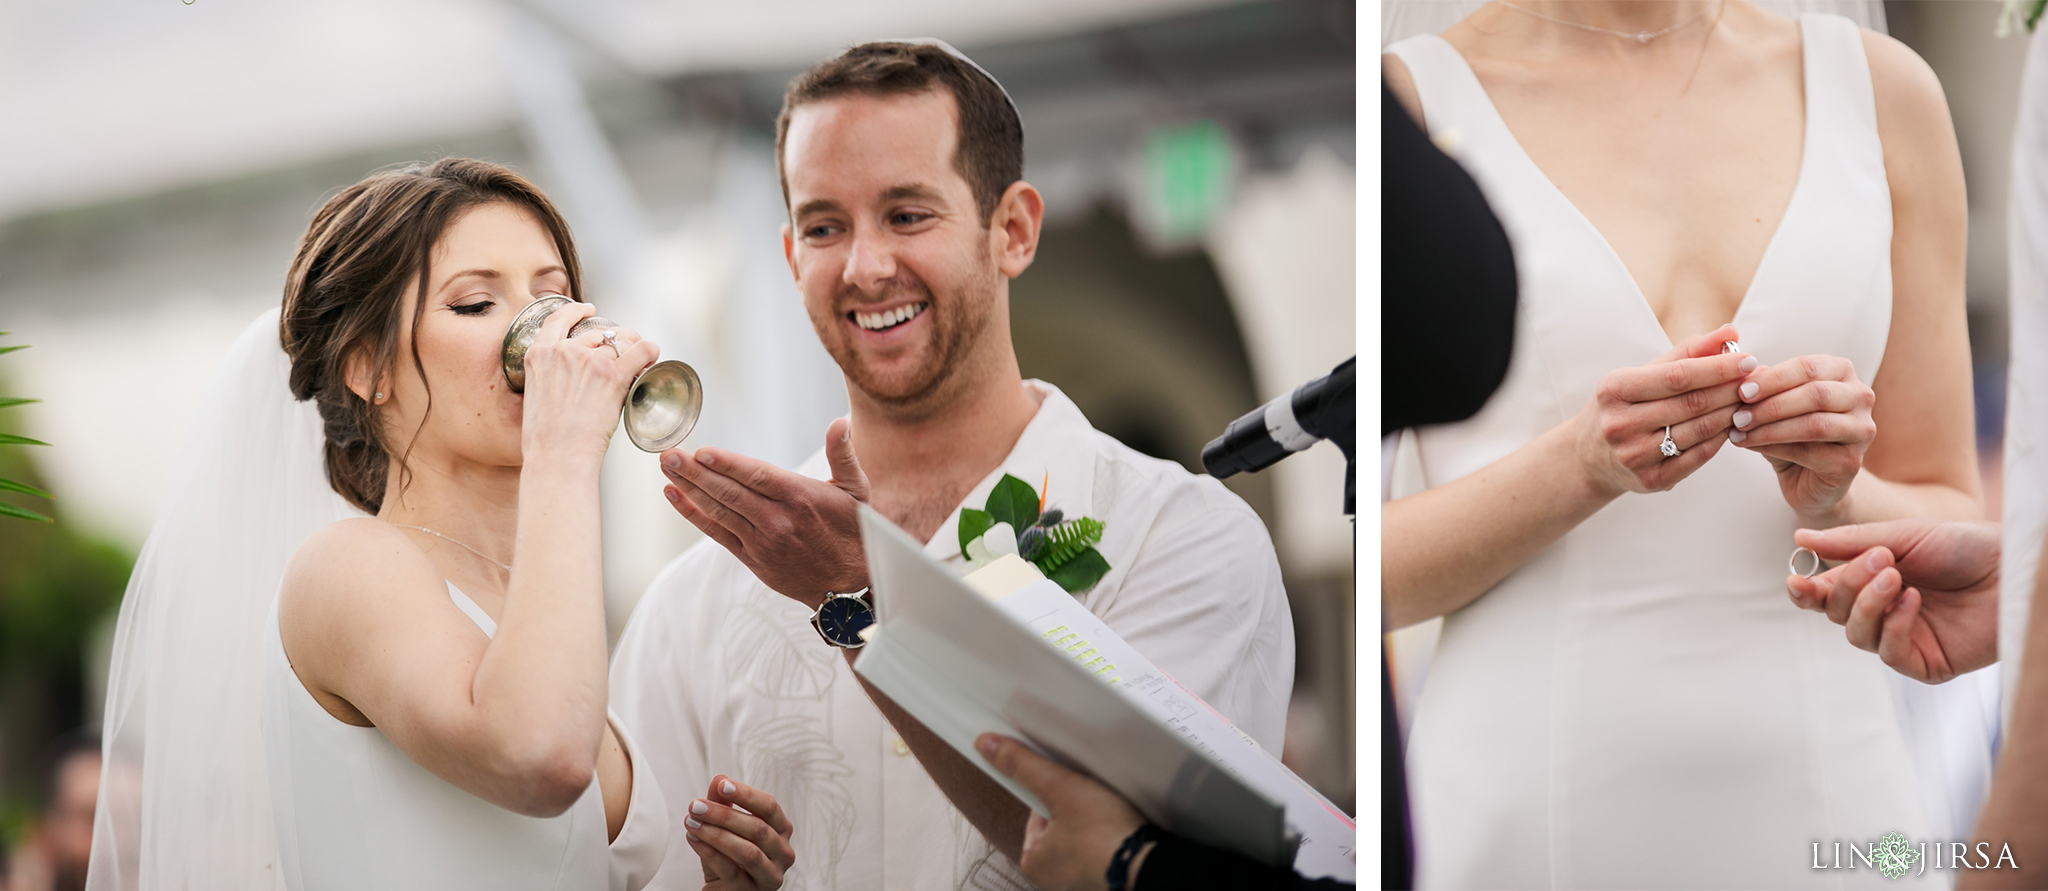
(1188, 171)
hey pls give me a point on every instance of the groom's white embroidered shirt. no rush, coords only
(716, 673)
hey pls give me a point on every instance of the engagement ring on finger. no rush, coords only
(1669, 448)
(611, 339)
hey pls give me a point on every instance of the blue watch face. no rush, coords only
(842, 618)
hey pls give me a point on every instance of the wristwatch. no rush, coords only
(842, 617)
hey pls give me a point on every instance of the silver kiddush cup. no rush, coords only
(661, 406)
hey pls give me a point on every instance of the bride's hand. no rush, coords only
(741, 837)
(574, 386)
(1691, 390)
(1809, 416)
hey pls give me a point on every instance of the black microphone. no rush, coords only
(1324, 408)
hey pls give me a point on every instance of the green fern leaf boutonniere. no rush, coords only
(1063, 549)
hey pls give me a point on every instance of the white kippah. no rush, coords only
(949, 50)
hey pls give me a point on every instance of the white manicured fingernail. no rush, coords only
(1749, 390)
(1737, 436)
(1748, 364)
(1742, 417)
(692, 823)
(728, 788)
(699, 808)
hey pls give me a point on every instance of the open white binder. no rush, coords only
(965, 665)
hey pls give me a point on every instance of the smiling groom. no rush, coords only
(902, 165)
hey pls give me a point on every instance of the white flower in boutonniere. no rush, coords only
(1063, 549)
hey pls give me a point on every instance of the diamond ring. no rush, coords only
(1669, 448)
(611, 339)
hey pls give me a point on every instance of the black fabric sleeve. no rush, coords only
(1447, 282)
(1177, 864)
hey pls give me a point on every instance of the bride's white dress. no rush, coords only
(354, 812)
(1640, 705)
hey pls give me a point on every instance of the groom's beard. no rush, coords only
(955, 325)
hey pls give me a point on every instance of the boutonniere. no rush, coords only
(1063, 549)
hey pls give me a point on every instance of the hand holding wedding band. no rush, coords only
(1647, 428)
(1809, 416)
(1921, 594)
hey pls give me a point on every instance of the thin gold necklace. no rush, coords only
(1638, 36)
(503, 566)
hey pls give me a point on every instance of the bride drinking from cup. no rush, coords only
(1618, 678)
(435, 679)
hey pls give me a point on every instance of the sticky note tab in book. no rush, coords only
(1002, 577)
(1021, 590)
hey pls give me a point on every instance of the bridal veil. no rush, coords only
(184, 801)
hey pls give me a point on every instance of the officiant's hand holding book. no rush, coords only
(1091, 838)
(1073, 846)
(1008, 651)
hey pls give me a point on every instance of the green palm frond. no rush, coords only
(8, 485)
(9, 510)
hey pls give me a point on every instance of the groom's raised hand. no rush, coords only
(800, 536)
(1921, 594)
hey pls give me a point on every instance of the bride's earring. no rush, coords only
(380, 397)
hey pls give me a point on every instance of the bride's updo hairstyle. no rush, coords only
(345, 296)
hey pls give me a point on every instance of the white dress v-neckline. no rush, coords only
(1569, 208)
(1643, 679)
(1641, 300)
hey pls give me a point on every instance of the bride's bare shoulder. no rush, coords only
(1904, 84)
(1913, 121)
(353, 559)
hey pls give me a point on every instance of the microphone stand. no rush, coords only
(1327, 408)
